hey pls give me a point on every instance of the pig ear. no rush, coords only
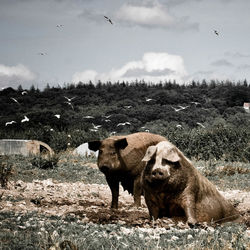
(149, 153)
(121, 144)
(171, 155)
(94, 145)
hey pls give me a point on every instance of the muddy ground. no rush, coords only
(91, 202)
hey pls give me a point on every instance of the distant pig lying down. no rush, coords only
(173, 187)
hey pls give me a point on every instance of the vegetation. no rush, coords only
(213, 124)
(34, 230)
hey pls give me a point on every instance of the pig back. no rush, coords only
(132, 155)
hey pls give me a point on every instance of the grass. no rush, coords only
(38, 231)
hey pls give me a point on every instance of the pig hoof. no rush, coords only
(192, 223)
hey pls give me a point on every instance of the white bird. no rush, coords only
(24, 92)
(9, 123)
(70, 104)
(107, 116)
(15, 100)
(147, 130)
(58, 116)
(149, 99)
(93, 130)
(89, 117)
(107, 120)
(108, 19)
(182, 107)
(26, 119)
(112, 133)
(128, 106)
(178, 126)
(96, 126)
(70, 99)
(196, 103)
(175, 109)
(198, 123)
(51, 129)
(216, 32)
(123, 124)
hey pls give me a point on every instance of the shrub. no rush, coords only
(5, 170)
(45, 162)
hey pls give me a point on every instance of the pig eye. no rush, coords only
(164, 162)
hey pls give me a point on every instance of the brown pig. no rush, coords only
(173, 187)
(120, 159)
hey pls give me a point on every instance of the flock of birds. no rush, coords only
(96, 127)
(106, 119)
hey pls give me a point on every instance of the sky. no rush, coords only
(67, 41)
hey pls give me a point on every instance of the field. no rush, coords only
(68, 207)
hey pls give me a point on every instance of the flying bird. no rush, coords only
(93, 130)
(178, 126)
(182, 107)
(42, 54)
(123, 124)
(196, 103)
(24, 92)
(128, 106)
(70, 104)
(96, 126)
(9, 123)
(15, 100)
(198, 123)
(88, 117)
(108, 19)
(58, 116)
(112, 133)
(26, 119)
(59, 25)
(149, 99)
(216, 32)
(179, 109)
(70, 99)
(107, 116)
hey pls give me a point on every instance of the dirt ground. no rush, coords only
(91, 202)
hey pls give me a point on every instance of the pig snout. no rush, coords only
(160, 174)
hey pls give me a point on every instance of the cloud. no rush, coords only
(237, 55)
(15, 75)
(153, 67)
(222, 63)
(152, 15)
(244, 67)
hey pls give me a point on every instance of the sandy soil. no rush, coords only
(91, 202)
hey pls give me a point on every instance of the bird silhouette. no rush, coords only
(58, 116)
(59, 25)
(216, 32)
(42, 54)
(108, 19)
(26, 119)
(9, 123)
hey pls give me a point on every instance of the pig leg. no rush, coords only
(189, 208)
(137, 190)
(114, 186)
(152, 208)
